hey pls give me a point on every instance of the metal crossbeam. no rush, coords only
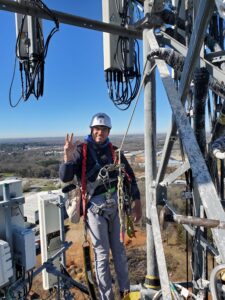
(191, 231)
(174, 175)
(197, 37)
(213, 70)
(166, 152)
(69, 19)
(205, 11)
(161, 261)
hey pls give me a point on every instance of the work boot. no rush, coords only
(124, 293)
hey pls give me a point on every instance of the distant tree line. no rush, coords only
(32, 163)
(36, 159)
(8, 147)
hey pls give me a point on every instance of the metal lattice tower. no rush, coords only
(189, 40)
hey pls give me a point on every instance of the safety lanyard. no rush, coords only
(84, 181)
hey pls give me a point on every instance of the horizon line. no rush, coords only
(60, 137)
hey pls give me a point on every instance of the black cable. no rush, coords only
(10, 88)
(124, 92)
(44, 7)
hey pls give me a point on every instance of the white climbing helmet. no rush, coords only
(101, 119)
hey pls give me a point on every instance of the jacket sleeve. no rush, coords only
(135, 193)
(73, 167)
(67, 171)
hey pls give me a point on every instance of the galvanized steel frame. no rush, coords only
(213, 70)
(201, 175)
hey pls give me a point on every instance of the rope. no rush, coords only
(120, 196)
(125, 211)
(83, 181)
(136, 102)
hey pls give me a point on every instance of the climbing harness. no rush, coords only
(100, 209)
(121, 199)
(124, 203)
(83, 181)
(87, 190)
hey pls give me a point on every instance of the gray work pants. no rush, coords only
(104, 230)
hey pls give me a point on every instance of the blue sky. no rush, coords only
(75, 87)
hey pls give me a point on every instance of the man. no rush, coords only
(102, 212)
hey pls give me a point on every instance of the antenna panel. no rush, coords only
(110, 15)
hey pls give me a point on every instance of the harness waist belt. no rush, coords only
(102, 190)
(97, 187)
(111, 190)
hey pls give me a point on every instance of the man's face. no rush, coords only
(100, 134)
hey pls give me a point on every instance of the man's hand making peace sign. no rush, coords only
(69, 148)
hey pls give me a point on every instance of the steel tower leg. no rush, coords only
(152, 278)
(153, 237)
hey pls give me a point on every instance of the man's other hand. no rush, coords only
(137, 210)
